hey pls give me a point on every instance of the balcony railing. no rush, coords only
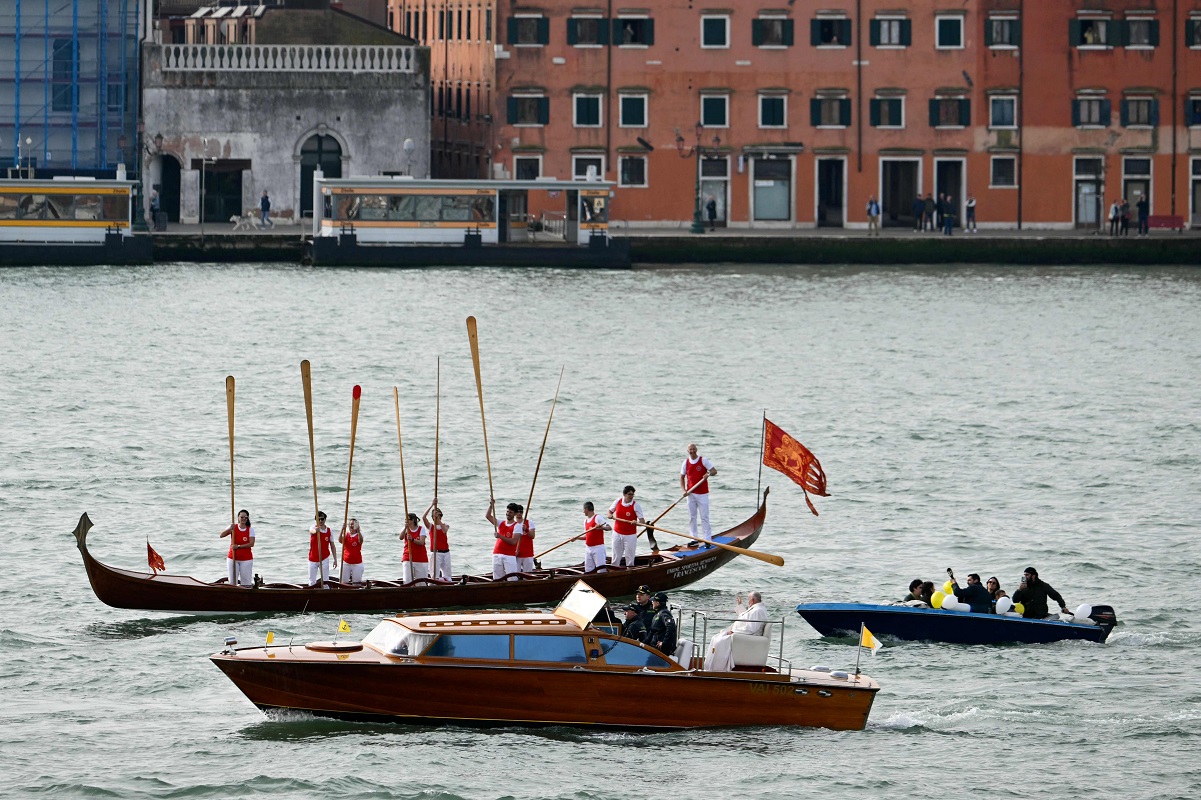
(286, 58)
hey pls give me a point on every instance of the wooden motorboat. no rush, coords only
(533, 668)
(957, 627)
(668, 569)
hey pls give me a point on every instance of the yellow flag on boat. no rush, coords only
(343, 626)
(270, 637)
(867, 640)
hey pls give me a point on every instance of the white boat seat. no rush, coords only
(683, 653)
(750, 650)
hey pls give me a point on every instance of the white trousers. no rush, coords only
(245, 572)
(624, 546)
(324, 566)
(352, 573)
(442, 569)
(720, 657)
(525, 564)
(699, 504)
(414, 570)
(503, 565)
(594, 557)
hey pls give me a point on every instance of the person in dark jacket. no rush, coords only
(931, 208)
(919, 211)
(642, 601)
(1143, 209)
(633, 628)
(927, 592)
(974, 594)
(1033, 594)
(915, 591)
(663, 626)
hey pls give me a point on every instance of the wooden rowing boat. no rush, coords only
(669, 569)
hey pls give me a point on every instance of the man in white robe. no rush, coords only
(752, 620)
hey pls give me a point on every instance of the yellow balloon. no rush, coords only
(936, 599)
(948, 587)
(1021, 609)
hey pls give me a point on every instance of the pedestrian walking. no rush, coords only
(265, 211)
(873, 216)
(970, 225)
(1143, 207)
(919, 211)
(1115, 217)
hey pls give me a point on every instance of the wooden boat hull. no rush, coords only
(935, 625)
(671, 569)
(482, 695)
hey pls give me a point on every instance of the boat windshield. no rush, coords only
(624, 654)
(396, 640)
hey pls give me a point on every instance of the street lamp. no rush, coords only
(699, 151)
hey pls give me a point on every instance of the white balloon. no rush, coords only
(950, 603)
(1084, 611)
(1004, 604)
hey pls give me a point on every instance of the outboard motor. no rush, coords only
(1105, 617)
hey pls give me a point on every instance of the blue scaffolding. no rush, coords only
(69, 82)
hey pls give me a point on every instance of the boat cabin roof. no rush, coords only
(491, 621)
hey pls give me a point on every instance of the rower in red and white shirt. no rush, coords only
(351, 539)
(504, 552)
(320, 564)
(525, 545)
(595, 526)
(439, 532)
(239, 562)
(694, 468)
(624, 512)
(416, 559)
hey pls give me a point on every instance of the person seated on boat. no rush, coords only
(351, 539)
(439, 531)
(915, 592)
(633, 627)
(995, 592)
(1033, 592)
(239, 562)
(595, 526)
(504, 552)
(927, 592)
(663, 626)
(320, 565)
(642, 600)
(752, 621)
(974, 594)
(624, 512)
(525, 545)
(415, 561)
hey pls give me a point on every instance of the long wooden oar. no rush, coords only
(233, 507)
(354, 423)
(437, 421)
(403, 484)
(742, 551)
(474, 339)
(655, 521)
(307, 379)
(538, 466)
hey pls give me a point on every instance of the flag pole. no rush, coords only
(762, 444)
(859, 650)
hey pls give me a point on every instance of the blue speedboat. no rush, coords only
(957, 627)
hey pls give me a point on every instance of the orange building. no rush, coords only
(792, 115)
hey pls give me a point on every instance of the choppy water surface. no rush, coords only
(986, 419)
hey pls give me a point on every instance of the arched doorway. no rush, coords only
(319, 152)
(168, 188)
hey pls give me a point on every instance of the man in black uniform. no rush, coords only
(633, 628)
(642, 601)
(1033, 594)
(663, 626)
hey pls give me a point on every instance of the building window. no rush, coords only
(1091, 32)
(1090, 112)
(890, 32)
(1140, 112)
(634, 31)
(773, 111)
(1002, 112)
(950, 112)
(115, 98)
(830, 112)
(527, 168)
(64, 69)
(1192, 32)
(587, 31)
(633, 171)
(1002, 32)
(528, 31)
(715, 32)
(529, 110)
(830, 32)
(587, 110)
(1192, 111)
(581, 164)
(715, 111)
(887, 112)
(487, 24)
(771, 32)
(948, 33)
(1004, 172)
(632, 108)
(1142, 33)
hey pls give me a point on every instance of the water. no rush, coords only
(980, 418)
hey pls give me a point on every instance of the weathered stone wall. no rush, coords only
(322, 27)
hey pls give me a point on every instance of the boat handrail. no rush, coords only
(705, 618)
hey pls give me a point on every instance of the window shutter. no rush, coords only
(756, 32)
(896, 112)
(1074, 33)
(1016, 27)
(988, 40)
(511, 105)
(1075, 113)
(602, 31)
(1190, 112)
(650, 31)
(573, 35)
(844, 112)
(934, 113)
(906, 32)
(512, 26)
(815, 32)
(874, 111)
(1155, 33)
(1155, 113)
(543, 110)
(873, 29)
(1124, 113)
(1190, 32)
(1121, 33)
(815, 111)
(965, 112)
(788, 36)
(543, 30)
(844, 38)
(1106, 112)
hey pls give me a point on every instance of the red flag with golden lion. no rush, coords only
(784, 454)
